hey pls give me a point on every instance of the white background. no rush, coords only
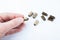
(45, 30)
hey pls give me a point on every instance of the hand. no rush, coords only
(10, 23)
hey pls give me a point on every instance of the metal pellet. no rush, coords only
(45, 14)
(30, 14)
(36, 23)
(34, 15)
(51, 18)
(26, 19)
(43, 18)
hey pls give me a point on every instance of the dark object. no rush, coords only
(45, 14)
(51, 18)
(44, 19)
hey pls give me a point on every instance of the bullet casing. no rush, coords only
(45, 14)
(26, 19)
(43, 18)
(51, 18)
(30, 14)
(34, 15)
(36, 22)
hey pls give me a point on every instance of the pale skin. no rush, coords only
(10, 23)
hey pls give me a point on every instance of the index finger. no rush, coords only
(7, 16)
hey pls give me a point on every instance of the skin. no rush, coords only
(10, 23)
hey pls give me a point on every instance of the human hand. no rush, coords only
(10, 23)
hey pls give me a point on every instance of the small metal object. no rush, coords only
(36, 22)
(30, 14)
(44, 19)
(51, 18)
(45, 14)
(26, 19)
(34, 15)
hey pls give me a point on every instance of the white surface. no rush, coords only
(45, 30)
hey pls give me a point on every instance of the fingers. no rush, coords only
(11, 24)
(7, 16)
(15, 30)
(11, 32)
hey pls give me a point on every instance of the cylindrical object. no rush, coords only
(45, 14)
(30, 14)
(43, 18)
(51, 18)
(26, 19)
(34, 15)
(36, 22)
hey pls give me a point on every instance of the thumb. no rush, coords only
(5, 27)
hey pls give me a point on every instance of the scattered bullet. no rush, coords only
(51, 18)
(26, 19)
(34, 15)
(45, 14)
(43, 18)
(30, 14)
(36, 23)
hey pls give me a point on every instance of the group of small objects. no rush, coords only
(34, 15)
